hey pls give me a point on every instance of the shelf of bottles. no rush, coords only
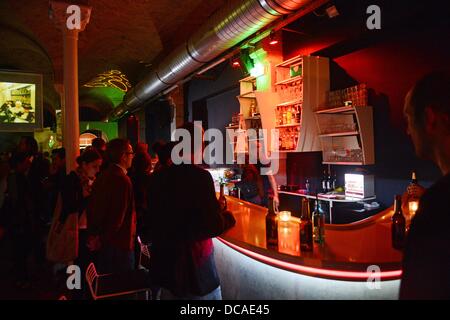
(288, 115)
(289, 86)
(288, 138)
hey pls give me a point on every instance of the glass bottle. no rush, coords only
(413, 200)
(222, 199)
(306, 227)
(271, 227)
(318, 223)
(398, 225)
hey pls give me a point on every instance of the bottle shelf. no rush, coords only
(288, 125)
(289, 103)
(248, 95)
(346, 109)
(248, 79)
(340, 134)
(353, 128)
(290, 80)
(344, 163)
(295, 61)
(253, 118)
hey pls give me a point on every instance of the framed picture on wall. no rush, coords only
(21, 106)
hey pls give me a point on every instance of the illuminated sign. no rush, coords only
(110, 79)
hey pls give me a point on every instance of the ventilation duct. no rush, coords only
(235, 22)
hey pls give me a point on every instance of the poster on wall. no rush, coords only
(20, 101)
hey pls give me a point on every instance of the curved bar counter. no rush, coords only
(357, 260)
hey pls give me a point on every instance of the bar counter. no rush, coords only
(338, 269)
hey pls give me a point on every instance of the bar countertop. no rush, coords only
(353, 252)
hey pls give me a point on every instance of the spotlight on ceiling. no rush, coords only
(332, 11)
(235, 63)
(273, 39)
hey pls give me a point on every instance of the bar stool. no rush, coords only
(144, 256)
(111, 285)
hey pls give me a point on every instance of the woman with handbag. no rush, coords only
(67, 238)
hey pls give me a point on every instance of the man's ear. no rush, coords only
(431, 119)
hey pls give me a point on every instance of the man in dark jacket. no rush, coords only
(184, 217)
(111, 214)
(426, 265)
(20, 216)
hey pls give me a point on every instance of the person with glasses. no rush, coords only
(111, 214)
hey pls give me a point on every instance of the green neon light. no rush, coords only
(257, 70)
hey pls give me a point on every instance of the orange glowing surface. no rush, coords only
(348, 249)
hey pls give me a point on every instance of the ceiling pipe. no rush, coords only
(235, 22)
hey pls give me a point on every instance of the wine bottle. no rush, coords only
(318, 223)
(271, 227)
(413, 200)
(222, 199)
(324, 182)
(306, 228)
(398, 225)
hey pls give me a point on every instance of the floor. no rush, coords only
(42, 286)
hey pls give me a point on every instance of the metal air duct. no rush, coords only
(233, 23)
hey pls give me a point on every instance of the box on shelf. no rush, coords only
(295, 71)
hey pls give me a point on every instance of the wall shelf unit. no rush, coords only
(300, 85)
(346, 134)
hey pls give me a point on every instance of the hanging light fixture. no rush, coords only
(273, 40)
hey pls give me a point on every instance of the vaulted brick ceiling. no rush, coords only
(128, 35)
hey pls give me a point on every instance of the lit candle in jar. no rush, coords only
(413, 206)
(284, 216)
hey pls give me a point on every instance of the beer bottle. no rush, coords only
(398, 225)
(306, 228)
(324, 182)
(271, 227)
(413, 200)
(329, 182)
(222, 199)
(318, 223)
(334, 182)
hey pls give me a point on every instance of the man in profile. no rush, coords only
(184, 216)
(426, 265)
(111, 213)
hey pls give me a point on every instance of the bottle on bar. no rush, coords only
(271, 227)
(306, 227)
(334, 182)
(324, 182)
(222, 199)
(398, 225)
(329, 182)
(318, 223)
(413, 200)
(307, 186)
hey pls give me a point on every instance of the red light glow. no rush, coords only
(273, 42)
(310, 271)
(236, 64)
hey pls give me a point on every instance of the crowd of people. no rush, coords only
(96, 213)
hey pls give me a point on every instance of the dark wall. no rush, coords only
(158, 117)
(213, 98)
(389, 61)
(10, 140)
(223, 82)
